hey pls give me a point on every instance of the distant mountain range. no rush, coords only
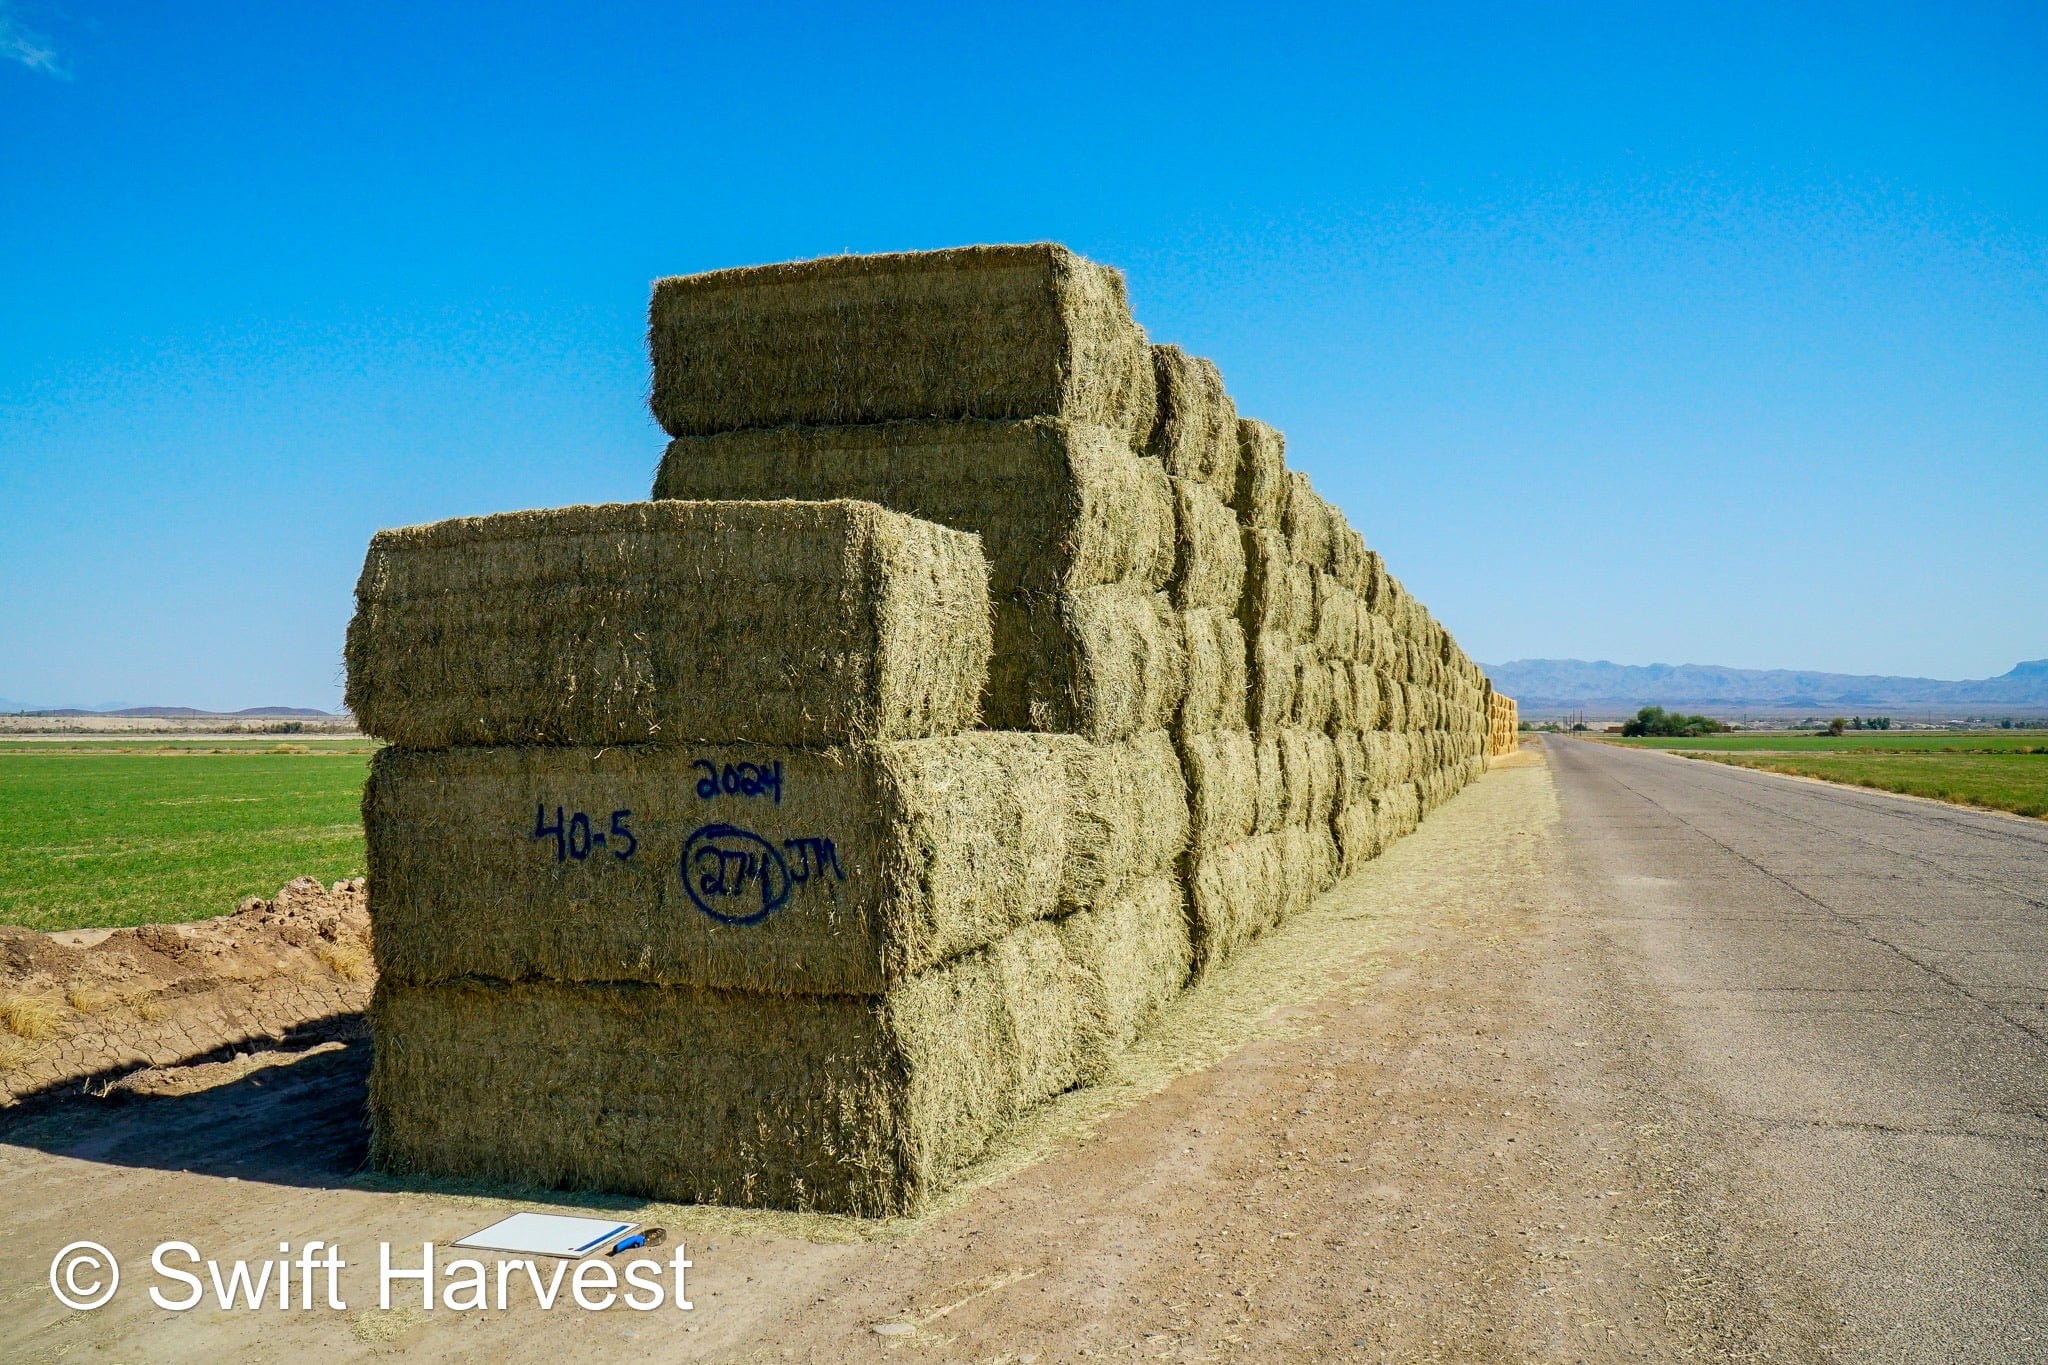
(161, 712)
(1561, 684)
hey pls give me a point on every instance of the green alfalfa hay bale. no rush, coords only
(1348, 555)
(861, 1105)
(1312, 689)
(1059, 506)
(746, 867)
(1343, 700)
(1222, 772)
(1308, 765)
(1354, 768)
(1106, 663)
(1306, 521)
(1356, 831)
(787, 623)
(1209, 563)
(1337, 617)
(1195, 435)
(1126, 665)
(1394, 708)
(1126, 960)
(1218, 681)
(1279, 594)
(1269, 782)
(1240, 890)
(1271, 678)
(1260, 496)
(1399, 810)
(1129, 816)
(995, 332)
(1364, 706)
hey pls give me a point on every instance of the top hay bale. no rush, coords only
(1001, 332)
(1196, 434)
(670, 623)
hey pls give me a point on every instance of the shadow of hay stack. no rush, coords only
(690, 877)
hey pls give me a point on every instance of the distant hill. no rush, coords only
(1556, 684)
(174, 712)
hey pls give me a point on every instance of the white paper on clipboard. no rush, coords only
(548, 1234)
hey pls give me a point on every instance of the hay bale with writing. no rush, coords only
(742, 867)
(998, 332)
(782, 623)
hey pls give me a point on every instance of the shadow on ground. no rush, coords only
(303, 1123)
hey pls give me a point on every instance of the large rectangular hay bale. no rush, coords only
(999, 332)
(849, 1104)
(1239, 891)
(1223, 787)
(1127, 959)
(1128, 815)
(1272, 676)
(1306, 520)
(1058, 505)
(1279, 591)
(1218, 683)
(1209, 565)
(778, 623)
(1105, 663)
(1195, 435)
(1260, 495)
(741, 867)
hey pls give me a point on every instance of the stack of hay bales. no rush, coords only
(1504, 730)
(1002, 391)
(688, 878)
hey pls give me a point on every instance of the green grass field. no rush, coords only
(109, 833)
(1883, 741)
(1998, 769)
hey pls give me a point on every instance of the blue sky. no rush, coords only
(1700, 334)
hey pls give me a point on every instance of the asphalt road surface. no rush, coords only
(1860, 982)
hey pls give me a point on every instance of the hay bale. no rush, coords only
(1260, 494)
(1059, 506)
(1348, 555)
(1195, 435)
(1106, 663)
(1306, 521)
(1222, 772)
(1239, 891)
(1269, 778)
(1356, 830)
(1354, 768)
(1209, 564)
(1312, 689)
(1110, 663)
(1337, 618)
(780, 623)
(1308, 765)
(1128, 818)
(1125, 960)
(1218, 684)
(742, 867)
(1279, 594)
(999, 332)
(862, 1105)
(1271, 678)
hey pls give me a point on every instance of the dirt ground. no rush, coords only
(1438, 1118)
(94, 1009)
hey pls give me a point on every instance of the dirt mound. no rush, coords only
(83, 1008)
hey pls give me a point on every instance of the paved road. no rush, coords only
(1860, 984)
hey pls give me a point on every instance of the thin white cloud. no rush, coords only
(19, 43)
